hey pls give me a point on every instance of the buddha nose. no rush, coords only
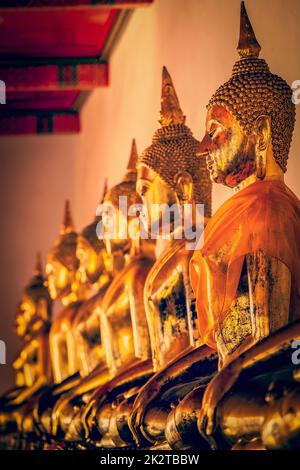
(203, 147)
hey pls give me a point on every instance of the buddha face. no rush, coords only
(230, 152)
(154, 190)
(115, 225)
(116, 245)
(90, 262)
(58, 277)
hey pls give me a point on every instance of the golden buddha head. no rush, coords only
(91, 251)
(34, 309)
(250, 118)
(120, 240)
(62, 262)
(169, 171)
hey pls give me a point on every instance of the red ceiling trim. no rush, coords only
(80, 76)
(40, 123)
(23, 75)
(5, 4)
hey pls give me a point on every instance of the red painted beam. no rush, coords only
(39, 123)
(77, 76)
(5, 4)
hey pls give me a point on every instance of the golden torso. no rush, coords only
(87, 332)
(62, 344)
(170, 304)
(123, 320)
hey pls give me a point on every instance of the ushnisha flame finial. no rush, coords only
(133, 157)
(170, 112)
(105, 188)
(67, 225)
(36, 285)
(90, 231)
(38, 269)
(64, 250)
(127, 185)
(248, 45)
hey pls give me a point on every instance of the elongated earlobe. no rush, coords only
(261, 165)
(263, 139)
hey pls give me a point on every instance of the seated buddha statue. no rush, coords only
(123, 321)
(32, 365)
(63, 285)
(246, 276)
(62, 275)
(170, 173)
(94, 270)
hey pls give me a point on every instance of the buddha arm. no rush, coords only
(138, 315)
(86, 385)
(86, 331)
(99, 376)
(135, 375)
(198, 364)
(28, 392)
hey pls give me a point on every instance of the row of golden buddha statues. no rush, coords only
(162, 347)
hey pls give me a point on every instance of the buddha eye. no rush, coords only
(212, 133)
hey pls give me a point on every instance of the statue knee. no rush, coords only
(148, 426)
(103, 417)
(75, 431)
(120, 430)
(66, 415)
(155, 420)
(181, 426)
(281, 428)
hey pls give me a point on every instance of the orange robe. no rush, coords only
(264, 216)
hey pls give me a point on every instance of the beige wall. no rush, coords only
(196, 40)
(37, 174)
